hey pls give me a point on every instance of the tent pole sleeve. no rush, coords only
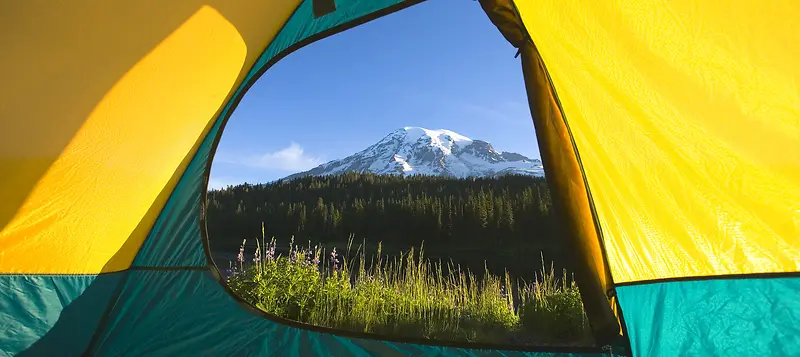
(570, 193)
(571, 201)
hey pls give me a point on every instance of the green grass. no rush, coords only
(408, 295)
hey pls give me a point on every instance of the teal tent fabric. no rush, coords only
(188, 313)
(52, 315)
(713, 317)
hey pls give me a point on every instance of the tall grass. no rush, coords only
(408, 295)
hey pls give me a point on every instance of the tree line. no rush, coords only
(510, 213)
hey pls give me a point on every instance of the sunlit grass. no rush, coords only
(409, 296)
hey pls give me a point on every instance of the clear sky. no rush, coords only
(440, 65)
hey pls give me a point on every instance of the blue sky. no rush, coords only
(440, 65)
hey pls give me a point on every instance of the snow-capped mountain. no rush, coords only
(420, 151)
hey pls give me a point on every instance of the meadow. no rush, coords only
(409, 295)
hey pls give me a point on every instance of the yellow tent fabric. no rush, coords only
(687, 118)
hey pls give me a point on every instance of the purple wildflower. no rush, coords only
(257, 255)
(240, 257)
(334, 259)
(270, 253)
(316, 260)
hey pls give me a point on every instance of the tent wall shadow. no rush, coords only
(86, 300)
(75, 324)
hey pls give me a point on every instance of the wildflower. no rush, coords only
(270, 252)
(309, 255)
(296, 255)
(293, 252)
(314, 256)
(240, 257)
(257, 255)
(334, 259)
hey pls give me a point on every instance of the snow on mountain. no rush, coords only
(420, 151)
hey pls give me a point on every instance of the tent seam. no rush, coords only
(744, 276)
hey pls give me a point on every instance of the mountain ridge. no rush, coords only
(419, 151)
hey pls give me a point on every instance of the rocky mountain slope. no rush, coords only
(420, 151)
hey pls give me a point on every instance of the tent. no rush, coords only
(669, 130)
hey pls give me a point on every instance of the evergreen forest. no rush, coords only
(503, 222)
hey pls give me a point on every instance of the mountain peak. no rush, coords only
(415, 150)
(439, 133)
